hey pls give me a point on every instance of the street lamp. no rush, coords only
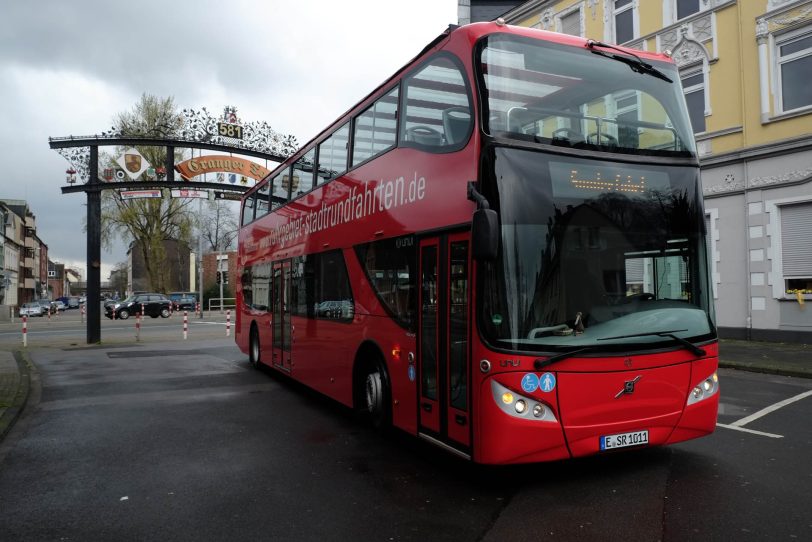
(70, 175)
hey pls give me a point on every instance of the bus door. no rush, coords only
(443, 343)
(282, 330)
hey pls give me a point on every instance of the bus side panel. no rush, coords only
(395, 343)
(322, 356)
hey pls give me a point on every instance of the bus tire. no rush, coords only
(254, 351)
(377, 402)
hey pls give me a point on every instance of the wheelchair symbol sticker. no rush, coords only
(530, 383)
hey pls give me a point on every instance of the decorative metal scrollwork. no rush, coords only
(79, 158)
(201, 127)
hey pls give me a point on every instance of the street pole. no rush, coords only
(93, 301)
(222, 276)
(200, 254)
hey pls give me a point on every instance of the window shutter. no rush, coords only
(796, 240)
(634, 271)
(571, 24)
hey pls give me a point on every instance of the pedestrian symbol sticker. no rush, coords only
(530, 383)
(547, 382)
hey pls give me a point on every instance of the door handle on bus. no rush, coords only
(460, 419)
(427, 407)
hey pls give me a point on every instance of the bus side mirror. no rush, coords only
(485, 235)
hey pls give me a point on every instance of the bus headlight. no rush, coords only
(519, 406)
(706, 388)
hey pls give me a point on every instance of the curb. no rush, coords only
(766, 369)
(18, 402)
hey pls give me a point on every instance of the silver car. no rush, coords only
(31, 309)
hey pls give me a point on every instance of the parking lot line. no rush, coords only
(771, 408)
(745, 430)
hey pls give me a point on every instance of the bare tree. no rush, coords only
(148, 222)
(219, 226)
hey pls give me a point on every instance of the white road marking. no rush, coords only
(745, 430)
(771, 408)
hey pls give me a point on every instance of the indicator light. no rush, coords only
(507, 397)
(396, 353)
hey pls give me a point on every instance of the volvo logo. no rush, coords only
(628, 387)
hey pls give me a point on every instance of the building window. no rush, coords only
(796, 251)
(570, 23)
(793, 53)
(686, 8)
(624, 20)
(693, 85)
(628, 117)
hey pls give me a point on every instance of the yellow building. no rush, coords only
(746, 71)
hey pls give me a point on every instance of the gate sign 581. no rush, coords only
(229, 130)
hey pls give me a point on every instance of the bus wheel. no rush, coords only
(253, 348)
(376, 395)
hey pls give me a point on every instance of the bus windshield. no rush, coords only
(582, 98)
(593, 252)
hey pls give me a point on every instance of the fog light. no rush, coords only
(521, 406)
(507, 397)
(538, 410)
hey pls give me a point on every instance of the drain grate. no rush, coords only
(153, 353)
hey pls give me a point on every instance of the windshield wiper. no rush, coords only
(635, 63)
(695, 350)
(539, 364)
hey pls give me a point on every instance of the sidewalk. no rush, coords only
(774, 358)
(14, 386)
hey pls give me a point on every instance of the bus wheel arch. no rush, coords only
(372, 390)
(254, 348)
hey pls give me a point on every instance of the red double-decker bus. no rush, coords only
(501, 249)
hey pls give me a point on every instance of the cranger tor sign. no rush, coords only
(136, 178)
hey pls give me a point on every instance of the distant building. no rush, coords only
(178, 262)
(25, 255)
(474, 11)
(225, 263)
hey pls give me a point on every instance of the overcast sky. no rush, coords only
(68, 67)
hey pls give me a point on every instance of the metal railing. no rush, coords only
(221, 304)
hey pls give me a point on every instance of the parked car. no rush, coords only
(31, 309)
(154, 305)
(60, 305)
(73, 302)
(184, 302)
(48, 306)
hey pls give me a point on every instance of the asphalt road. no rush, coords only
(183, 441)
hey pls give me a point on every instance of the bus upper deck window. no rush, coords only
(438, 108)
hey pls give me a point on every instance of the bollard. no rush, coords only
(228, 323)
(49, 315)
(142, 310)
(25, 330)
(185, 324)
(197, 309)
(137, 327)
(83, 314)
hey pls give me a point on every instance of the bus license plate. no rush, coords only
(622, 440)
